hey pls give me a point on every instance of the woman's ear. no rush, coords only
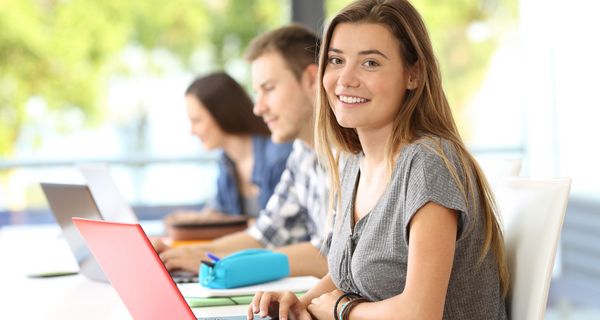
(412, 84)
(413, 77)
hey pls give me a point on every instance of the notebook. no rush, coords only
(136, 272)
(71, 200)
(111, 203)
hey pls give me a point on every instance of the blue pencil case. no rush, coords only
(244, 268)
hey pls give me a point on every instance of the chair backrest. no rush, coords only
(532, 212)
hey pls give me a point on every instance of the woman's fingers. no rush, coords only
(265, 302)
(284, 306)
(250, 312)
(290, 302)
(303, 314)
(255, 304)
(277, 304)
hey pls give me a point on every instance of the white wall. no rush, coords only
(560, 50)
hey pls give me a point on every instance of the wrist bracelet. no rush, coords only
(337, 303)
(341, 315)
(348, 306)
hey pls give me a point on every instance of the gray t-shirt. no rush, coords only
(372, 259)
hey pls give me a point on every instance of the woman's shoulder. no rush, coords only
(432, 148)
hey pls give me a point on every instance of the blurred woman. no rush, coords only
(250, 166)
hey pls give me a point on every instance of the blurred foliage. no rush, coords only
(465, 34)
(64, 51)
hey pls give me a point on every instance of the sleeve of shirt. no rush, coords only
(218, 202)
(327, 244)
(227, 198)
(284, 219)
(430, 180)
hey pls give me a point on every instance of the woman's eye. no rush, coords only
(370, 63)
(335, 60)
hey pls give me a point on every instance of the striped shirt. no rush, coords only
(297, 210)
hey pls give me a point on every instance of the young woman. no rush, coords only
(220, 114)
(414, 228)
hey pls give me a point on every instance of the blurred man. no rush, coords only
(284, 76)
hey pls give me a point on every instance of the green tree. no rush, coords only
(64, 51)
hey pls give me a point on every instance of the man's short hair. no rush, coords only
(297, 45)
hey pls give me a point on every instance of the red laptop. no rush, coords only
(134, 269)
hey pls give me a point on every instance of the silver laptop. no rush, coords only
(71, 200)
(67, 201)
(109, 200)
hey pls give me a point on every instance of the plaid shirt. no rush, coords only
(297, 210)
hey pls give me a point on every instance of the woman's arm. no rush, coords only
(432, 242)
(323, 286)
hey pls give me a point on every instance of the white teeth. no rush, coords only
(346, 99)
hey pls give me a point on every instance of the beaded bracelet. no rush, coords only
(348, 306)
(337, 303)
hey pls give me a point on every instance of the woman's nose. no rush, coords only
(348, 78)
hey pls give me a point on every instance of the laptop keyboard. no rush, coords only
(184, 277)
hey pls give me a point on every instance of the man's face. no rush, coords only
(284, 102)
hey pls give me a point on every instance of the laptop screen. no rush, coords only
(67, 201)
(134, 269)
(111, 203)
(71, 200)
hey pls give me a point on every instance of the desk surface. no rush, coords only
(30, 249)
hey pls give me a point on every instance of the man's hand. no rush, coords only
(159, 245)
(189, 257)
(184, 257)
(199, 217)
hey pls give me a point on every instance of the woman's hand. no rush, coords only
(322, 307)
(282, 305)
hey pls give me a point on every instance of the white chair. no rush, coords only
(532, 212)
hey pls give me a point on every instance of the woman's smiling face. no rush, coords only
(365, 77)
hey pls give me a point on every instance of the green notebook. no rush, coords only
(209, 302)
(225, 301)
(242, 299)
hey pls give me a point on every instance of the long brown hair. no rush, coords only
(425, 113)
(228, 103)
